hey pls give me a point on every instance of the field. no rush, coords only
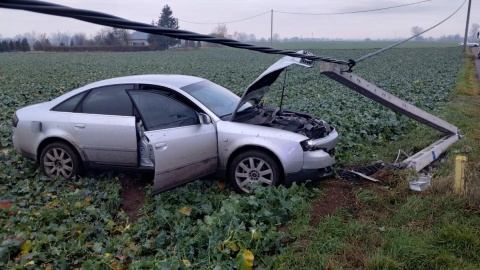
(61, 224)
(330, 45)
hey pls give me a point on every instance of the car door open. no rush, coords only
(183, 148)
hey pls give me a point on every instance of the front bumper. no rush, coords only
(316, 166)
(308, 174)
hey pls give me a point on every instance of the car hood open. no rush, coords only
(256, 90)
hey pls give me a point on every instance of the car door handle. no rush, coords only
(79, 125)
(160, 145)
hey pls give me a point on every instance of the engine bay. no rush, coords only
(301, 123)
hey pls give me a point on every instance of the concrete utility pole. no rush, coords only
(271, 29)
(466, 27)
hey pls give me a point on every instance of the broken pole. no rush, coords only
(375, 93)
(421, 159)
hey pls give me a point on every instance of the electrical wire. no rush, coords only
(319, 14)
(363, 58)
(117, 22)
(241, 20)
(351, 12)
(113, 21)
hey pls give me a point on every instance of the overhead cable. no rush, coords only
(113, 21)
(363, 58)
(240, 20)
(301, 13)
(351, 12)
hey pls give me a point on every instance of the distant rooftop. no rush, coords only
(139, 35)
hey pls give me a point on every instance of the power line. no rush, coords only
(351, 12)
(363, 58)
(299, 13)
(113, 21)
(240, 20)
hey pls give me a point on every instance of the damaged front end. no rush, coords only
(301, 123)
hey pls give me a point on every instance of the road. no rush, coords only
(475, 51)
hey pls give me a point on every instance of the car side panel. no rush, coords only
(33, 128)
(284, 144)
(183, 154)
(106, 139)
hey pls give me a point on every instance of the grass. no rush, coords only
(395, 228)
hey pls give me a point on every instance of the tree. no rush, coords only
(79, 39)
(474, 29)
(40, 42)
(276, 37)
(60, 38)
(417, 30)
(24, 46)
(165, 20)
(18, 47)
(220, 31)
(71, 43)
(5, 46)
(122, 36)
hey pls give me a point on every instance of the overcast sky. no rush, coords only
(380, 24)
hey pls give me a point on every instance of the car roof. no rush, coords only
(167, 80)
(178, 81)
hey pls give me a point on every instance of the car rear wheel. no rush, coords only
(253, 167)
(60, 160)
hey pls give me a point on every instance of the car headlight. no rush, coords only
(307, 145)
(14, 120)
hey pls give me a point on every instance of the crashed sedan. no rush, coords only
(181, 128)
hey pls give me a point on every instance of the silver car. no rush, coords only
(181, 128)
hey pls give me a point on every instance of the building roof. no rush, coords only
(139, 36)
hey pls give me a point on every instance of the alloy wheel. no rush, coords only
(58, 163)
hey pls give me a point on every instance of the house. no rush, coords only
(139, 39)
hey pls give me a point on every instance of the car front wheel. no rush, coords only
(253, 167)
(60, 160)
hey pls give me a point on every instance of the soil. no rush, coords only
(338, 193)
(133, 194)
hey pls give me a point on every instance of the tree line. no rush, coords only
(14, 45)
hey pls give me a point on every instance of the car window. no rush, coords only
(160, 112)
(219, 100)
(70, 104)
(110, 100)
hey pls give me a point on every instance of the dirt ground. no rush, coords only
(133, 194)
(338, 193)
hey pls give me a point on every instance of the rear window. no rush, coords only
(70, 104)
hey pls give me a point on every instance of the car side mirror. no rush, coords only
(204, 119)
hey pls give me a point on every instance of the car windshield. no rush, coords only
(219, 100)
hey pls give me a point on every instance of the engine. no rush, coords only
(297, 122)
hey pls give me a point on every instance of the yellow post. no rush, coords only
(459, 186)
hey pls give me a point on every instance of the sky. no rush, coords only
(386, 24)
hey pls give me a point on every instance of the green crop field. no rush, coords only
(351, 45)
(79, 224)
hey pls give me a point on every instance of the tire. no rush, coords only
(60, 160)
(265, 170)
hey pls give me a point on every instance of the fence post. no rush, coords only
(459, 187)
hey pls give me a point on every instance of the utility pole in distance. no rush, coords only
(271, 29)
(466, 27)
